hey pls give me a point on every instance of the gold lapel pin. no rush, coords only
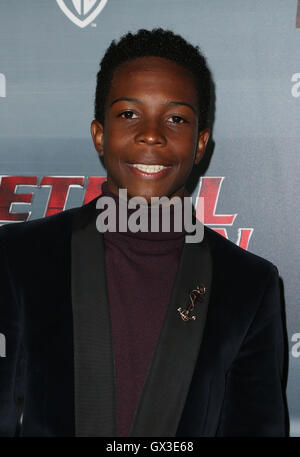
(195, 294)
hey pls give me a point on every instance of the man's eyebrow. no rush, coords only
(136, 100)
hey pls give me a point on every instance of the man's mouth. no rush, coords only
(149, 170)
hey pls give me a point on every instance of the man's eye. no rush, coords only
(127, 115)
(177, 119)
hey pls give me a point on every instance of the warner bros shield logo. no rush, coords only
(81, 12)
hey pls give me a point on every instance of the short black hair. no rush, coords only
(158, 43)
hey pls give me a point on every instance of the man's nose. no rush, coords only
(151, 133)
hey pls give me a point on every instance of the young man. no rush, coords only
(98, 343)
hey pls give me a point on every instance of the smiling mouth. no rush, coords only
(147, 170)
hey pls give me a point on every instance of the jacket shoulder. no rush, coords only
(230, 256)
(30, 233)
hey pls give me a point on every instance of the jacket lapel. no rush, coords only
(167, 384)
(95, 405)
(170, 373)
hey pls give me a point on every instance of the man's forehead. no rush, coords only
(153, 77)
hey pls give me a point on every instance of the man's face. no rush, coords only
(151, 118)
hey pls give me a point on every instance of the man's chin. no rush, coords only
(146, 194)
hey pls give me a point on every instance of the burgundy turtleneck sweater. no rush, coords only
(140, 269)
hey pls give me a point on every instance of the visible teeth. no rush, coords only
(148, 168)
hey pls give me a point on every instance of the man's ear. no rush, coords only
(97, 132)
(203, 138)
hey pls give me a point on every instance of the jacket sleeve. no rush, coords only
(254, 395)
(11, 359)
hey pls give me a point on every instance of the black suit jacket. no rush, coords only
(219, 375)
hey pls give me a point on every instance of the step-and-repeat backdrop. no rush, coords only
(49, 56)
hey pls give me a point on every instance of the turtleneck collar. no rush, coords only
(149, 235)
